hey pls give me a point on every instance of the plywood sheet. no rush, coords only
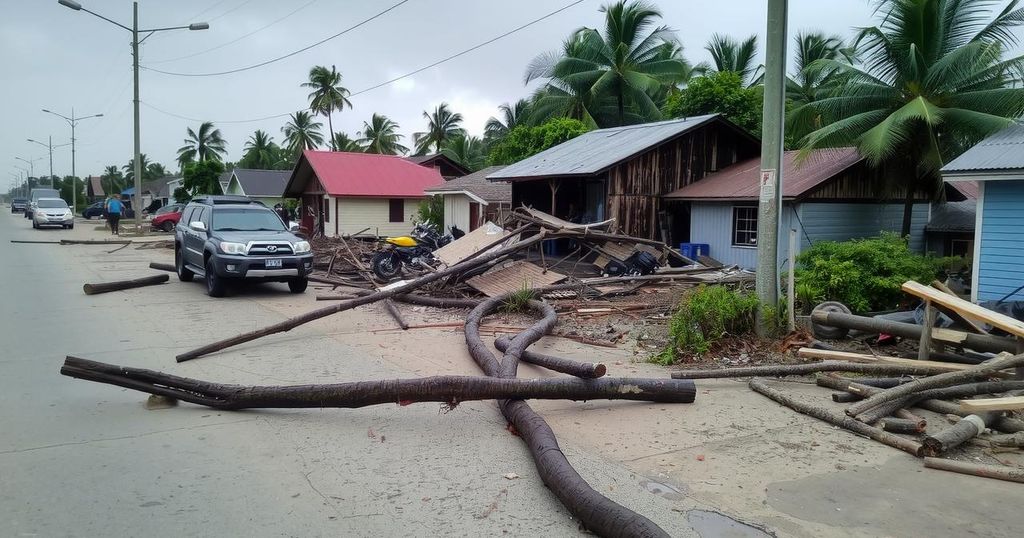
(461, 248)
(513, 277)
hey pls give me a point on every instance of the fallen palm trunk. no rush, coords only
(837, 419)
(968, 428)
(900, 425)
(31, 242)
(875, 414)
(985, 369)
(380, 295)
(436, 302)
(1015, 440)
(95, 241)
(809, 368)
(446, 389)
(104, 287)
(977, 342)
(389, 305)
(905, 414)
(1012, 474)
(163, 267)
(596, 512)
(585, 370)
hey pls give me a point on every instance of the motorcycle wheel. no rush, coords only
(386, 265)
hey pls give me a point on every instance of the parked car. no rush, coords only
(34, 196)
(225, 238)
(19, 204)
(167, 217)
(99, 210)
(52, 212)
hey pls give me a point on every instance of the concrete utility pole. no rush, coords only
(770, 199)
(137, 161)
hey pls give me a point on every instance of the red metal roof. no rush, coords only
(969, 189)
(365, 174)
(741, 180)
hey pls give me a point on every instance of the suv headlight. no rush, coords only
(301, 247)
(232, 248)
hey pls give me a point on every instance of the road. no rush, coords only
(85, 459)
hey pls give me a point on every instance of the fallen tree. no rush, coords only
(169, 267)
(809, 368)
(1012, 474)
(104, 287)
(585, 370)
(977, 342)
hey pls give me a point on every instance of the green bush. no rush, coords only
(705, 316)
(863, 274)
(524, 141)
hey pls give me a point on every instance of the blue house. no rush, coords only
(829, 195)
(997, 164)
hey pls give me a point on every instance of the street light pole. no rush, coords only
(73, 121)
(31, 167)
(135, 71)
(49, 147)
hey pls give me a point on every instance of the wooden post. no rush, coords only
(791, 281)
(925, 348)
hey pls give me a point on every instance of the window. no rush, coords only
(744, 226)
(961, 247)
(396, 210)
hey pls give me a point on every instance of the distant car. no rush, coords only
(167, 217)
(19, 204)
(225, 238)
(52, 212)
(35, 195)
(99, 210)
(93, 211)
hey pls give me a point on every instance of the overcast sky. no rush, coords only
(56, 58)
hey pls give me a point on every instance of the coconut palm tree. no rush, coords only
(562, 97)
(203, 145)
(129, 169)
(512, 115)
(342, 142)
(442, 125)
(727, 54)
(111, 179)
(380, 135)
(467, 151)
(328, 94)
(261, 152)
(155, 171)
(628, 64)
(931, 80)
(811, 81)
(302, 132)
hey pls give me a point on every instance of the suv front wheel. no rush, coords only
(184, 274)
(215, 285)
(297, 285)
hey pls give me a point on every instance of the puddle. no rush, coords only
(710, 524)
(671, 493)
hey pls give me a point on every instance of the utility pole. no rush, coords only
(73, 121)
(770, 199)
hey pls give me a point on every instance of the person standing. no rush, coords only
(283, 213)
(114, 208)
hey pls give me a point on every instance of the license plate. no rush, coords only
(272, 264)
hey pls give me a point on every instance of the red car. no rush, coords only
(167, 217)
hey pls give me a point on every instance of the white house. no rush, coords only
(471, 200)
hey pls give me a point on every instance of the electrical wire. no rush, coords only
(236, 40)
(179, 116)
(279, 58)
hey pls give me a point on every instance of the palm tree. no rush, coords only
(467, 151)
(380, 135)
(442, 125)
(627, 64)
(328, 94)
(302, 132)
(129, 169)
(562, 97)
(931, 81)
(730, 55)
(342, 142)
(155, 171)
(111, 180)
(511, 117)
(260, 152)
(811, 81)
(202, 145)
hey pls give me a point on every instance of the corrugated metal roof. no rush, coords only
(953, 217)
(1001, 151)
(595, 151)
(364, 174)
(262, 182)
(476, 183)
(741, 181)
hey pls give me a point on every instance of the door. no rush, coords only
(474, 216)
(195, 240)
(306, 214)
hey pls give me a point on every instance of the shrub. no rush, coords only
(863, 274)
(705, 316)
(431, 211)
(524, 141)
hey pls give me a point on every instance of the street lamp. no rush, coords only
(73, 121)
(31, 167)
(135, 71)
(24, 180)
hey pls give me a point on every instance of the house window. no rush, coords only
(744, 226)
(961, 247)
(396, 210)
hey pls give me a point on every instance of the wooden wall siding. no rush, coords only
(859, 182)
(1001, 256)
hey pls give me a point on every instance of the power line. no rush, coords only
(279, 58)
(236, 40)
(393, 80)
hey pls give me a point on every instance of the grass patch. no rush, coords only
(518, 301)
(705, 316)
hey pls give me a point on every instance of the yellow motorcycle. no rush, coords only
(413, 250)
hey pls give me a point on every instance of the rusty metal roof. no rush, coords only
(741, 180)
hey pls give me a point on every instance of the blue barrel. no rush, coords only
(693, 250)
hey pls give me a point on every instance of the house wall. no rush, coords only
(349, 215)
(711, 223)
(999, 241)
(456, 211)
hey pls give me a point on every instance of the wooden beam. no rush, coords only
(993, 404)
(966, 308)
(925, 346)
(974, 327)
(826, 354)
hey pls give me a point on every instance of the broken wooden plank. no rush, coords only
(516, 276)
(812, 353)
(483, 237)
(970, 324)
(1009, 403)
(966, 308)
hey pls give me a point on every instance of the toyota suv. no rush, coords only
(225, 238)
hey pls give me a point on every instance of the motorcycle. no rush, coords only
(413, 250)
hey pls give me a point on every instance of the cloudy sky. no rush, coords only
(60, 59)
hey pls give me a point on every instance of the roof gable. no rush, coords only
(440, 161)
(267, 183)
(362, 174)
(477, 184)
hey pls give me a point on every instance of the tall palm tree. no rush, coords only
(512, 115)
(342, 142)
(380, 135)
(628, 64)
(931, 80)
(260, 152)
(155, 171)
(302, 132)
(811, 80)
(203, 145)
(111, 179)
(727, 54)
(442, 125)
(562, 97)
(328, 94)
(129, 169)
(467, 151)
